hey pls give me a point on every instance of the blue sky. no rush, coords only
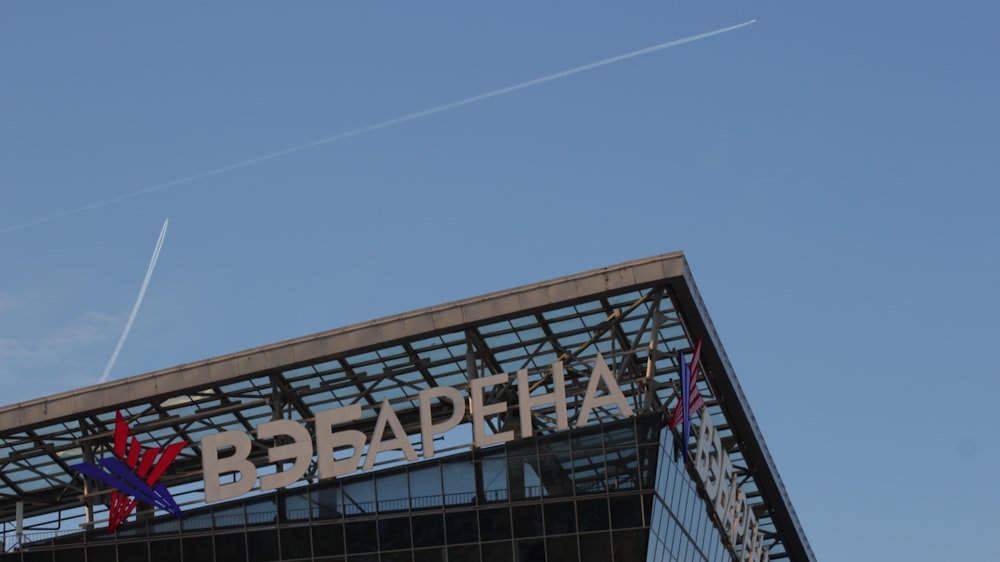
(831, 173)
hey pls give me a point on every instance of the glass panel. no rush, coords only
(165, 551)
(262, 546)
(527, 521)
(403, 556)
(564, 549)
(462, 528)
(232, 544)
(230, 516)
(429, 555)
(200, 521)
(394, 534)
(428, 530)
(262, 511)
(327, 501)
(196, 549)
(498, 552)
(425, 486)
(494, 524)
(560, 518)
(362, 536)
(530, 550)
(631, 545)
(459, 482)
(626, 512)
(73, 555)
(133, 552)
(359, 497)
(392, 491)
(328, 539)
(295, 542)
(467, 553)
(592, 515)
(105, 552)
(596, 546)
(494, 479)
(300, 507)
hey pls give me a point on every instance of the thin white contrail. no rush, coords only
(138, 301)
(382, 125)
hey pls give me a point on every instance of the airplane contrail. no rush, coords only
(138, 301)
(382, 125)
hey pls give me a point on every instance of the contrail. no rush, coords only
(382, 125)
(138, 301)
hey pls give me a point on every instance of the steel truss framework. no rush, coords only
(638, 316)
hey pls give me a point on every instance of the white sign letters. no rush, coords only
(298, 446)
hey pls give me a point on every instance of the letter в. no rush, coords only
(213, 467)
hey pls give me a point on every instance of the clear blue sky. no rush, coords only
(831, 172)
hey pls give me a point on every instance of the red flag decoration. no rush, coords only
(695, 401)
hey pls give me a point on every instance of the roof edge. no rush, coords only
(315, 347)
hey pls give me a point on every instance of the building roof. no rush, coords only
(614, 311)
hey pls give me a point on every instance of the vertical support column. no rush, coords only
(470, 361)
(88, 485)
(652, 356)
(19, 525)
(276, 414)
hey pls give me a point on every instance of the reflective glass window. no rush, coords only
(231, 546)
(465, 553)
(559, 518)
(400, 556)
(429, 555)
(459, 482)
(461, 527)
(262, 546)
(101, 552)
(527, 521)
(394, 533)
(494, 479)
(425, 486)
(138, 551)
(196, 549)
(596, 546)
(494, 524)
(392, 492)
(328, 539)
(497, 551)
(626, 512)
(592, 515)
(530, 550)
(78, 555)
(428, 530)
(229, 516)
(359, 496)
(362, 536)
(631, 545)
(299, 507)
(295, 542)
(563, 549)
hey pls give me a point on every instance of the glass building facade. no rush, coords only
(563, 384)
(611, 491)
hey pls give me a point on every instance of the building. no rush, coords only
(531, 424)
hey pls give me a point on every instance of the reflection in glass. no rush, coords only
(425, 486)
